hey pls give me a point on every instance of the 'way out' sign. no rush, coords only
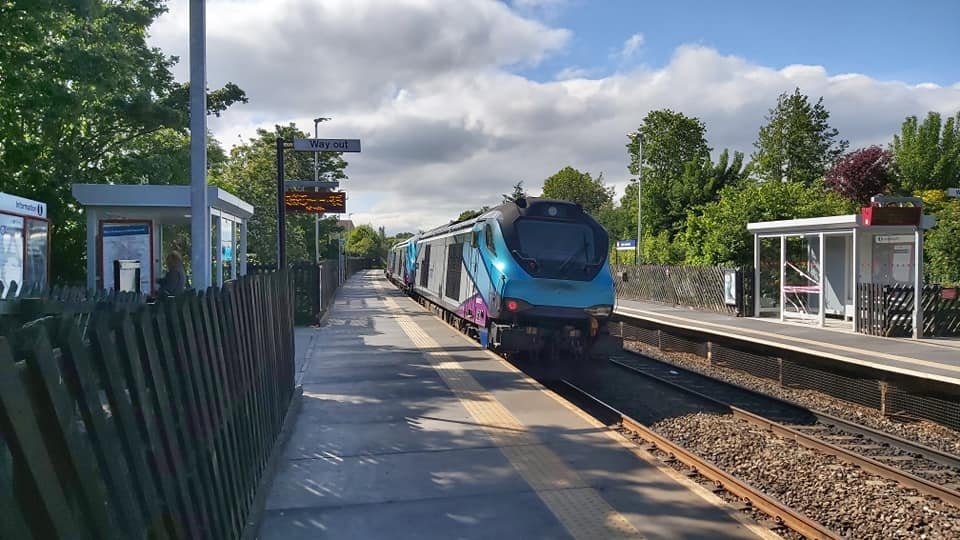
(326, 145)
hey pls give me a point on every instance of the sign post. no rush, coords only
(304, 201)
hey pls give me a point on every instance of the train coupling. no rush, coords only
(516, 338)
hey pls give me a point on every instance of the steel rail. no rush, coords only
(767, 504)
(930, 453)
(943, 493)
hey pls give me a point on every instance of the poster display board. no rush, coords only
(128, 240)
(226, 239)
(11, 250)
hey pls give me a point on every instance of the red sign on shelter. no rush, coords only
(891, 215)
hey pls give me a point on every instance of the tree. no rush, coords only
(927, 155)
(718, 234)
(861, 174)
(470, 214)
(80, 87)
(797, 143)
(363, 241)
(517, 194)
(942, 249)
(252, 171)
(675, 150)
(569, 184)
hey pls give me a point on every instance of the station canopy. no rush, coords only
(139, 211)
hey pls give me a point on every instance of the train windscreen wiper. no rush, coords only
(530, 261)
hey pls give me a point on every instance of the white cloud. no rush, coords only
(446, 126)
(631, 46)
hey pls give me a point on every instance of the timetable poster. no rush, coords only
(11, 250)
(128, 241)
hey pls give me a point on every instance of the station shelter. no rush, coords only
(809, 270)
(125, 226)
(24, 244)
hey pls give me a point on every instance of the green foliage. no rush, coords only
(517, 193)
(670, 139)
(363, 241)
(251, 172)
(80, 90)
(927, 155)
(718, 234)
(660, 248)
(942, 245)
(569, 184)
(797, 143)
(470, 214)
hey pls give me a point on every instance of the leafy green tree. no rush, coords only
(251, 172)
(79, 87)
(675, 152)
(569, 184)
(797, 143)
(470, 214)
(363, 241)
(718, 234)
(517, 193)
(942, 247)
(927, 154)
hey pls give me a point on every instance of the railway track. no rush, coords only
(782, 514)
(928, 470)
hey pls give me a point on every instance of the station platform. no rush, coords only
(931, 359)
(410, 430)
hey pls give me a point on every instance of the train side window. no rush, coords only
(488, 231)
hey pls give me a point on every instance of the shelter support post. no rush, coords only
(242, 251)
(855, 271)
(93, 249)
(756, 275)
(234, 257)
(218, 240)
(157, 262)
(199, 200)
(823, 289)
(917, 283)
(783, 272)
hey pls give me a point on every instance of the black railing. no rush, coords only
(159, 423)
(887, 310)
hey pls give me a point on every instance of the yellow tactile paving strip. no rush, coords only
(582, 511)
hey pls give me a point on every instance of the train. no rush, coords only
(528, 276)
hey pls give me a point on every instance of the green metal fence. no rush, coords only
(158, 423)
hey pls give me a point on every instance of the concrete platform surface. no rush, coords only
(933, 359)
(409, 430)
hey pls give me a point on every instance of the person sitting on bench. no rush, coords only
(175, 281)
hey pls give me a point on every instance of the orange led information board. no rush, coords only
(311, 202)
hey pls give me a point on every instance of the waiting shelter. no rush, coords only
(810, 270)
(125, 224)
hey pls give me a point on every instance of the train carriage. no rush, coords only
(526, 276)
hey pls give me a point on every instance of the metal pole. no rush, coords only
(199, 204)
(281, 217)
(640, 199)
(316, 178)
(918, 283)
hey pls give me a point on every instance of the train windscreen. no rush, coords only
(558, 249)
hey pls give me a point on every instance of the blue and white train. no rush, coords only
(527, 276)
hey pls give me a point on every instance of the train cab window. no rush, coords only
(488, 238)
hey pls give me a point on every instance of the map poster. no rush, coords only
(127, 241)
(11, 250)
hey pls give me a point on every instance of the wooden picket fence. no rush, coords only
(887, 310)
(698, 287)
(157, 424)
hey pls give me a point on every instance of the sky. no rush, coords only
(457, 100)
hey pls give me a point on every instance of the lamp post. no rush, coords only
(316, 178)
(199, 203)
(639, 138)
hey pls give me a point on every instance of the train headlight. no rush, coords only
(599, 311)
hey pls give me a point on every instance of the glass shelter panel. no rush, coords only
(35, 271)
(769, 286)
(801, 277)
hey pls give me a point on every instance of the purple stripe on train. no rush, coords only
(474, 309)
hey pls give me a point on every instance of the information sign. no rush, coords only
(130, 241)
(310, 202)
(11, 250)
(626, 245)
(326, 145)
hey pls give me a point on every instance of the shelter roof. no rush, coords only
(166, 203)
